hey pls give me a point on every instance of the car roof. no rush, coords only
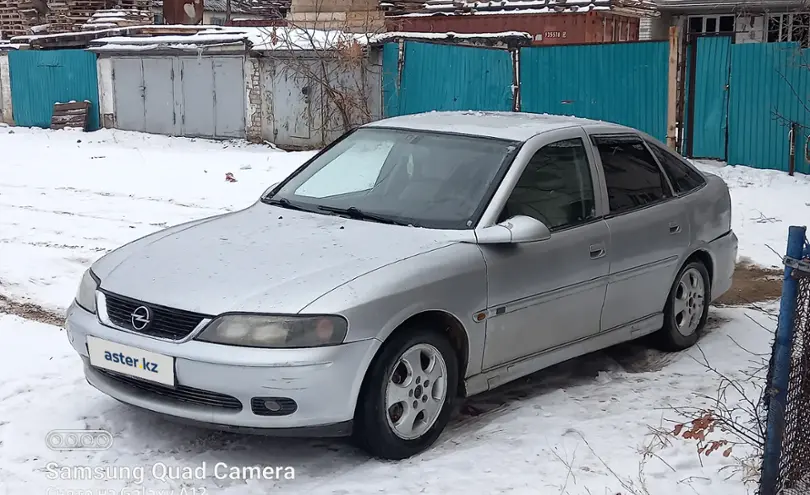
(515, 126)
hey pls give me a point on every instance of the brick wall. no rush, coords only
(253, 100)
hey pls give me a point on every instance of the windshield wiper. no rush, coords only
(358, 214)
(284, 203)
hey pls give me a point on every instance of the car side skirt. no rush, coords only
(505, 373)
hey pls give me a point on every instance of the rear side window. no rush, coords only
(683, 177)
(632, 176)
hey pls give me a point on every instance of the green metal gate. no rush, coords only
(428, 76)
(40, 78)
(707, 115)
(624, 83)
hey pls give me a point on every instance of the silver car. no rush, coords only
(415, 261)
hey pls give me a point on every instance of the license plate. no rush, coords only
(131, 361)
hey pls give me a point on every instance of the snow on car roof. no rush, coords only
(516, 126)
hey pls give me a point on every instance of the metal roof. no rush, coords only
(701, 6)
(515, 126)
(453, 7)
(270, 8)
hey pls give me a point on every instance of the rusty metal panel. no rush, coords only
(183, 11)
(545, 29)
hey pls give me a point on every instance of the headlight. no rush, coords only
(86, 295)
(276, 331)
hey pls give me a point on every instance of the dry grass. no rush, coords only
(30, 312)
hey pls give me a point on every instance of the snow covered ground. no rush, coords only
(765, 204)
(66, 198)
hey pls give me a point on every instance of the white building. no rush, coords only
(764, 21)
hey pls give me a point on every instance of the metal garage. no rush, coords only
(182, 95)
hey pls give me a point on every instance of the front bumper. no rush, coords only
(324, 383)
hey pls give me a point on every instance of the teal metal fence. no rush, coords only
(710, 105)
(446, 77)
(745, 98)
(40, 78)
(390, 79)
(770, 86)
(624, 83)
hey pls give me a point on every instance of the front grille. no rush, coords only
(179, 394)
(167, 323)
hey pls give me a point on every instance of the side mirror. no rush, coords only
(516, 230)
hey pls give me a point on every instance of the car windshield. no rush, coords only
(425, 179)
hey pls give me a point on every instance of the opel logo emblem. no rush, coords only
(141, 318)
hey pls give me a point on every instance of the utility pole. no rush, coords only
(227, 12)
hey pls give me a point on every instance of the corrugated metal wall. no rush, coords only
(624, 83)
(390, 79)
(40, 78)
(770, 84)
(759, 89)
(711, 97)
(645, 28)
(448, 77)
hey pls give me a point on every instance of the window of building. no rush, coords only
(789, 27)
(632, 176)
(711, 24)
(556, 187)
(682, 177)
(218, 21)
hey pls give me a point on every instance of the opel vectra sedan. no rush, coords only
(415, 261)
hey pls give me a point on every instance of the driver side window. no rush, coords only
(556, 187)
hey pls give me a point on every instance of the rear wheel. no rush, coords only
(687, 308)
(408, 394)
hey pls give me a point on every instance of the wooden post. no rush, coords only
(672, 96)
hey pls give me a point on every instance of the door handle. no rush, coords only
(597, 251)
(674, 228)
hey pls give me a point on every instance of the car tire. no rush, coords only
(687, 308)
(394, 429)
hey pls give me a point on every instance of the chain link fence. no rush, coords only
(794, 461)
(786, 460)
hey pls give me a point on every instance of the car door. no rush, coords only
(649, 229)
(548, 293)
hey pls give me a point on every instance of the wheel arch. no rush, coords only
(443, 321)
(704, 257)
(700, 255)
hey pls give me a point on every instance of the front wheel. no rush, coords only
(408, 394)
(687, 308)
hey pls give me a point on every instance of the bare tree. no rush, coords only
(331, 58)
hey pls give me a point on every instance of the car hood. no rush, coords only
(261, 259)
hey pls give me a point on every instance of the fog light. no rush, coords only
(273, 406)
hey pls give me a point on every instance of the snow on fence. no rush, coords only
(786, 461)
